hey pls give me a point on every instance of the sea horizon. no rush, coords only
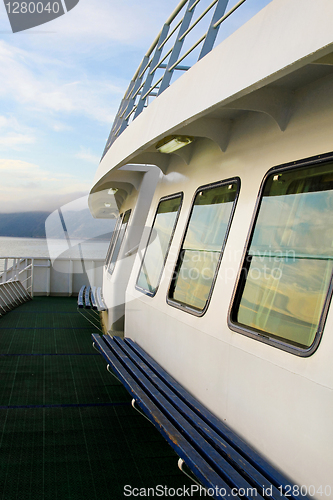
(14, 246)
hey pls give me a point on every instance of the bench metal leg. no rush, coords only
(141, 413)
(86, 318)
(110, 371)
(94, 346)
(180, 467)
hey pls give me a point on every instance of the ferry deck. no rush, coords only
(67, 429)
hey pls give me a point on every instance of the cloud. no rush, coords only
(54, 89)
(79, 64)
(14, 140)
(128, 22)
(61, 127)
(27, 186)
(67, 76)
(86, 155)
(13, 135)
(3, 121)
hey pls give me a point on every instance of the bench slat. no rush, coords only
(211, 455)
(87, 298)
(80, 298)
(234, 461)
(265, 468)
(100, 302)
(93, 298)
(209, 440)
(191, 457)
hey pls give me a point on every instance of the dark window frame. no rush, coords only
(164, 198)
(110, 271)
(182, 306)
(241, 280)
(112, 240)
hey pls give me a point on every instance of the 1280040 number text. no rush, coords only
(32, 7)
(303, 491)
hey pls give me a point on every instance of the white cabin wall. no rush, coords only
(115, 284)
(254, 387)
(282, 37)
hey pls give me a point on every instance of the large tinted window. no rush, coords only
(159, 243)
(287, 271)
(202, 245)
(118, 239)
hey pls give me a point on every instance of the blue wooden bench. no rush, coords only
(223, 463)
(89, 303)
(91, 298)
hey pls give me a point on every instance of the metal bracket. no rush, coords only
(275, 102)
(151, 158)
(92, 315)
(141, 413)
(180, 467)
(214, 129)
(108, 369)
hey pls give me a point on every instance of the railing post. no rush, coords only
(93, 273)
(126, 106)
(48, 279)
(70, 278)
(153, 64)
(212, 32)
(32, 277)
(15, 268)
(5, 270)
(178, 46)
(118, 119)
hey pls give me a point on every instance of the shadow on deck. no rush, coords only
(67, 430)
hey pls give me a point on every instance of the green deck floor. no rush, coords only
(67, 430)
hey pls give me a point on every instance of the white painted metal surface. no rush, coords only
(40, 277)
(275, 43)
(263, 98)
(12, 294)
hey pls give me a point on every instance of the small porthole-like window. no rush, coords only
(284, 287)
(118, 239)
(202, 246)
(113, 239)
(158, 244)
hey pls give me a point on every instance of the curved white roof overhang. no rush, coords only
(242, 73)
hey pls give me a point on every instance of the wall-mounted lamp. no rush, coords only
(172, 143)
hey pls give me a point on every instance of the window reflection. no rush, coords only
(113, 239)
(159, 243)
(201, 249)
(290, 260)
(118, 239)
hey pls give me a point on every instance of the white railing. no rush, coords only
(12, 294)
(17, 268)
(41, 276)
(166, 54)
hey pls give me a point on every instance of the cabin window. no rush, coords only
(284, 286)
(159, 243)
(118, 239)
(112, 241)
(203, 245)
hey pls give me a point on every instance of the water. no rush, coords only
(40, 247)
(23, 247)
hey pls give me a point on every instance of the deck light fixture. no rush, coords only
(112, 191)
(173, 142)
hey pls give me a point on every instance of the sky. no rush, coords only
(60, 87)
